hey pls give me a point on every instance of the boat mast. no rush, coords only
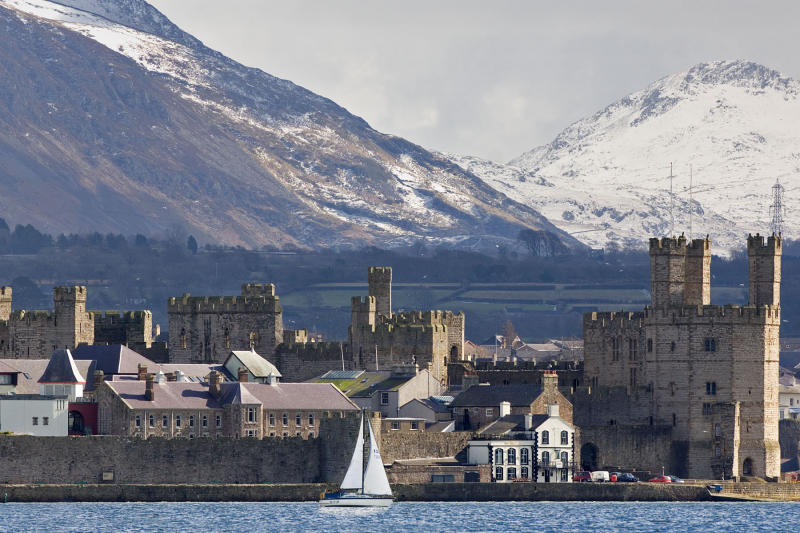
(363, 470)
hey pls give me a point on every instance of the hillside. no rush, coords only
(606, 179)
(112, 119)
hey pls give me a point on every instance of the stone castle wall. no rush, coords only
(202, 460)
(303, 361)
(123, 327)
(682, 362)
(206, 329)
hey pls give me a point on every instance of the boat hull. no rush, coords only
(356, 501)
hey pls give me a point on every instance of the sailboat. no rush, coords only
(362, 487)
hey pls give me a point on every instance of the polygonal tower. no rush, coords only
(380, 286)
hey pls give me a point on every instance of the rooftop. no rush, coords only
(61, 369)
(366, 384)
(493, 395)
(255, 364)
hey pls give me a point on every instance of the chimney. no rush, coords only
(550, 381)
(214, 386)
(505, 409)
(98, 378)
(528, 422)
(149, 390)
(142, 372)
(552, 410)
(178, 375)
(243, 373)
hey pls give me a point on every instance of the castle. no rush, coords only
(703, 377)
(206, 328)
(426, 337)
(36, 334)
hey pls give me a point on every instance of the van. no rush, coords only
(599, 476)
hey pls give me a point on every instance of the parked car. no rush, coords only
(582, 477)
(627, 478)
(660, 479)
(675, 479)
(600, 476)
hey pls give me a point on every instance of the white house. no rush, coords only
(527, 448)
(61, 377)
(34, 414)
(258, 369)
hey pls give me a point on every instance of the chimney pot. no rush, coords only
(149, 390)
(142, 372)
(214, 386)
(98, 377)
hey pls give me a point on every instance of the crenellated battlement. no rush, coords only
(258, 289)
(730, 313)
(761, 244)
(618, 318)
(76, 293)
(223, 304)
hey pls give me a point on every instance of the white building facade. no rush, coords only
(542, 453)
(33, 414)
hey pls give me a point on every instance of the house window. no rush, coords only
(711, 388)
(272, 419)
(524, 457)
(298, 434)
(219, 421)
(205, 421)
(251, 433)
(649, 345)
(512, 473)
(298, 419)
(384, 398)
(45, 420)
(271, 433)
(545, 437)
(138, 421)
(178, 421)
(717, 451)
(191, 421)
(498, 473)
(414, 425)
(311, 419)
(285, 434)
(310, 434)
(152, 421)
(706, 409)
(633, 349)
(717, 431)
(511, 456)
(164, 421)
(191, 435)
(35, 421)
(285, 420)
(545, 458)
(489, 412)
(615, 349)
(710, 345)
(251, 414)
(564, 459)
(498, 456)
(564, 437)
(564, 474)
(395, 425)
(524, 472)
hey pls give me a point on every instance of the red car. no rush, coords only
(660, 479)
(582, 477)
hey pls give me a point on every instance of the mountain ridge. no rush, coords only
(145, 133)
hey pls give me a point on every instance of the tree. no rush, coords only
(191, 244)
(140, 240)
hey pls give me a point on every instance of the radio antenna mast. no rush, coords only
(691, 209)
(671, 204)
(777, 210)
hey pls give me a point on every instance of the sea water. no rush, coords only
(427, 517)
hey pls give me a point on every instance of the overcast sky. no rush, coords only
(487, 78)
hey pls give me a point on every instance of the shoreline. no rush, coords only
(423, 492)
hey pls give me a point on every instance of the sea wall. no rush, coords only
(397, 445)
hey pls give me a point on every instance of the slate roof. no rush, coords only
(257, 365)
(61, 369)
(492, 395)
(367, 383)
(437, 407)
(183, 395)
(443, 426)
(30, 370)
(113, 359)
(511, 424)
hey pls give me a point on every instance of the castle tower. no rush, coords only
(380, 286)
(73, 324)
(765, 269)
(667, 271)
(697, 290)
(5, 303)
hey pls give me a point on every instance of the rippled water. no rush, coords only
(428, 517)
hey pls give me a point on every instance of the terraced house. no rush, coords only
(175, 409)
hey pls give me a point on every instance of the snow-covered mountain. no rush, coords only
(114, 119)
(605, 178)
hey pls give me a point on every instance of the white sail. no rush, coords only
(375, 481)
(352, 479)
